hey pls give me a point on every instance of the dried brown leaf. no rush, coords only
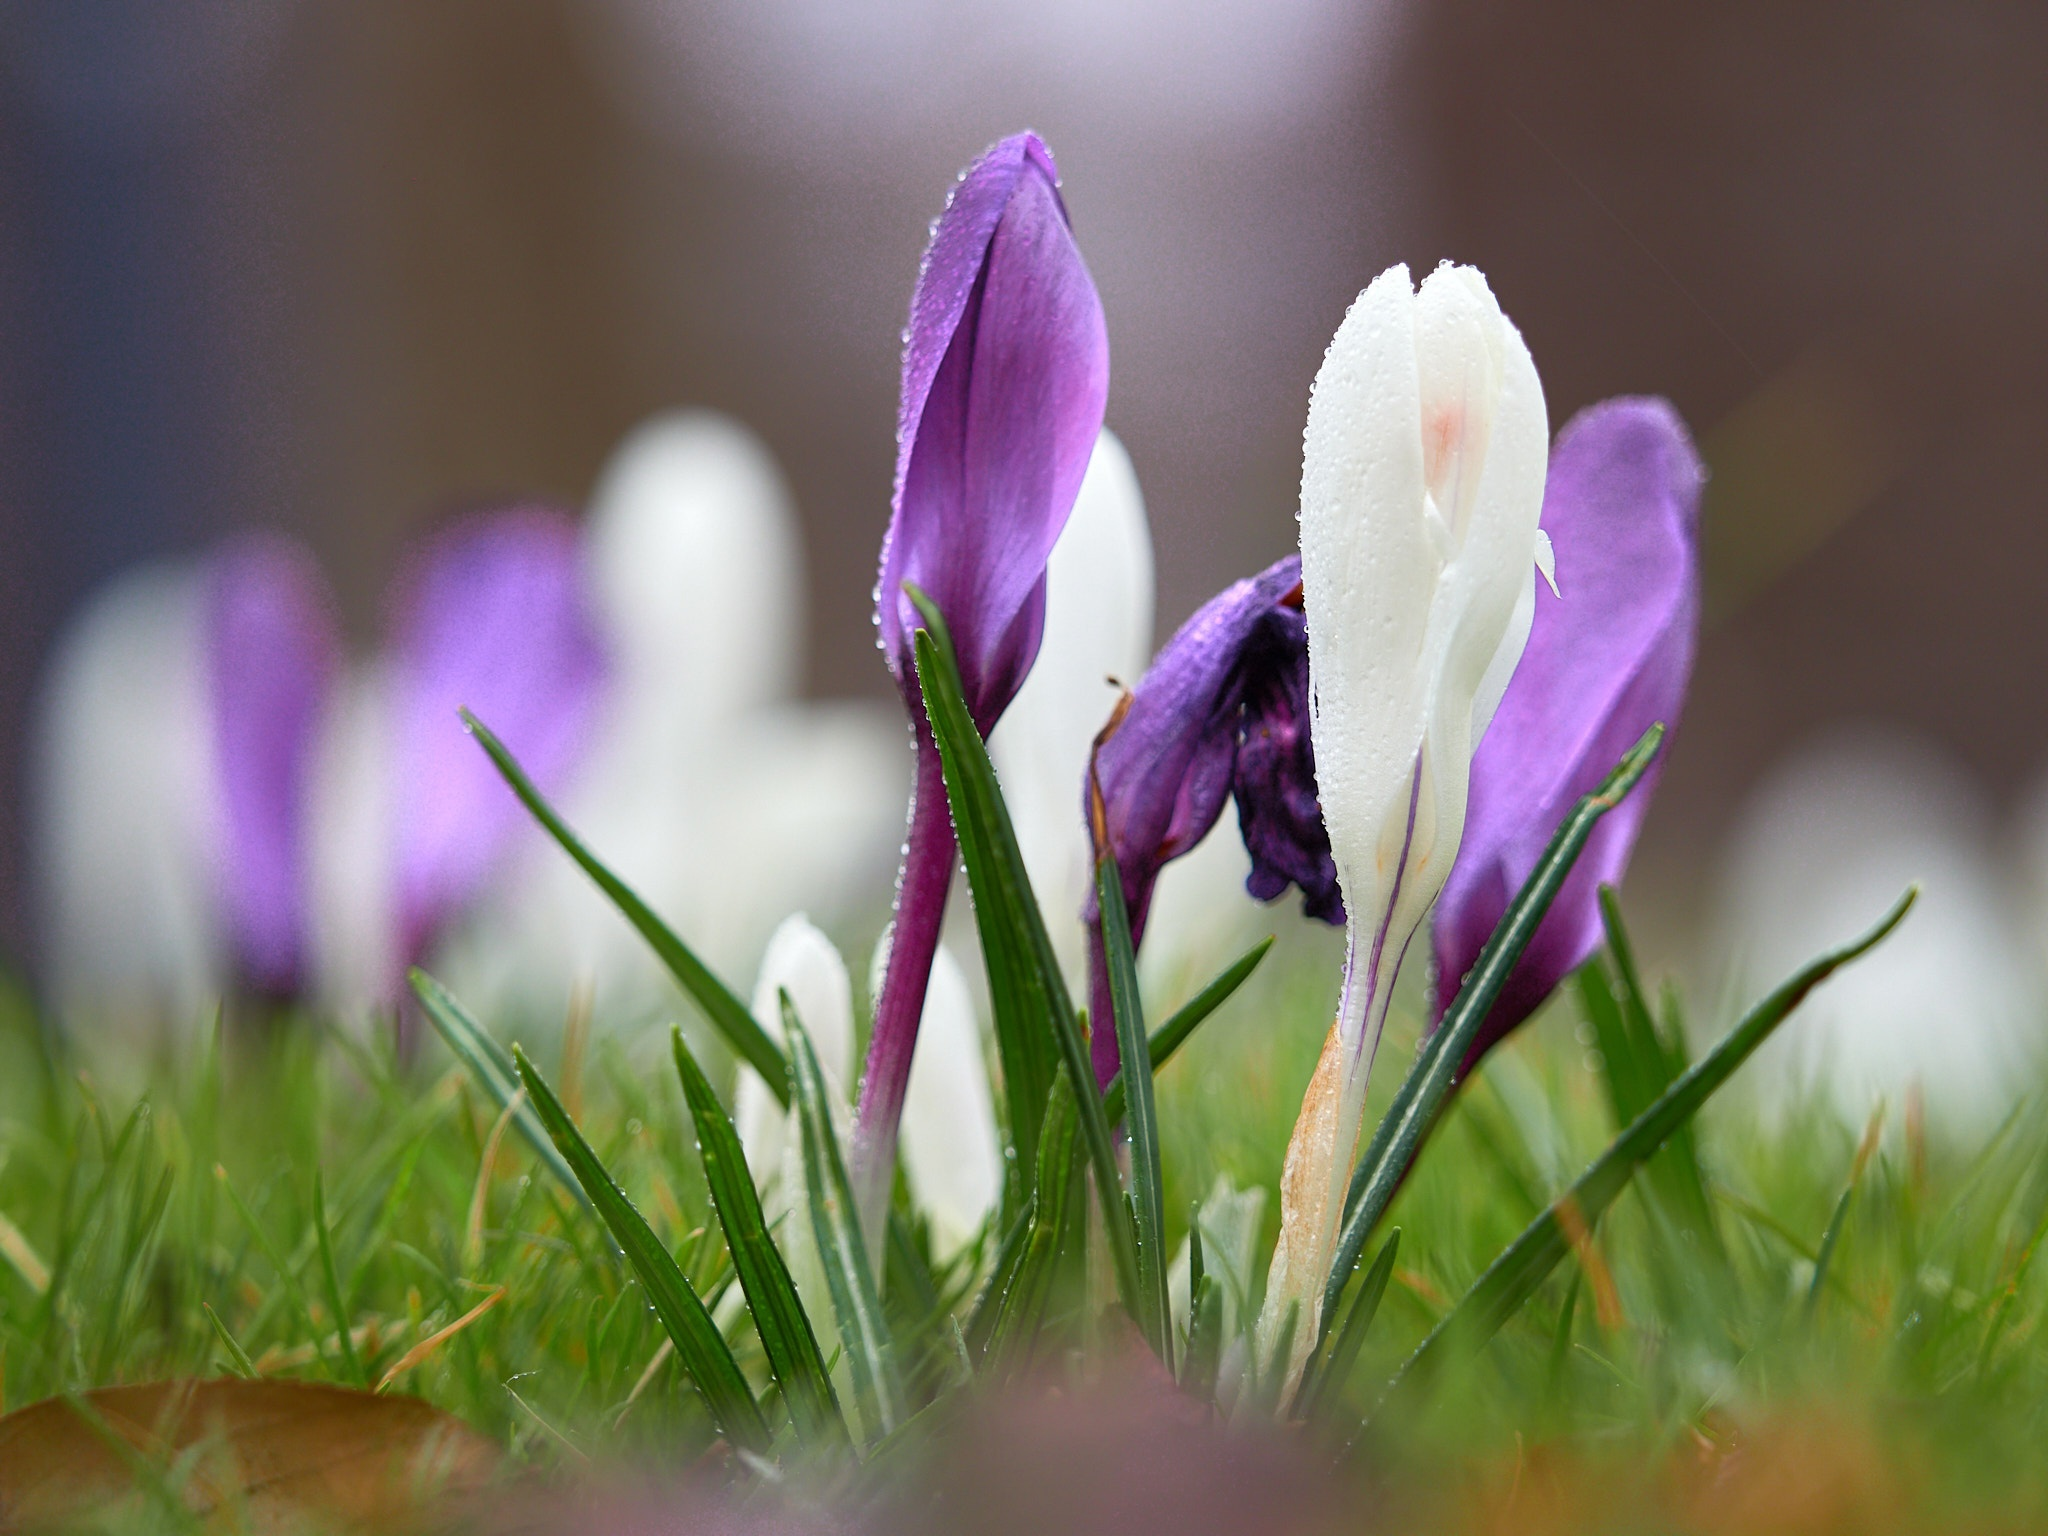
(260, 1456)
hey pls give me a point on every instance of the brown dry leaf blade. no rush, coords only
(283, 1453)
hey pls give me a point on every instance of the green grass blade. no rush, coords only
(1024, 993)
(1205, 1340)
(287, 1274)
(728, 1015)
(787, 1339)
(491, 1069)
(1318, 1392)
(1655, 1063)
(238, 1357)
(1002, 1274)
(1173, 1034)
(331, 1278)
(1148, 1190)
(1027, 994)
(1828, 1240)
(699, 1346)
(1021, 1311)
(1522, 1266)
(1408, 1120)
(863, 1329)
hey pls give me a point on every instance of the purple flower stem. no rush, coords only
(929, 854)
(1102, 1046)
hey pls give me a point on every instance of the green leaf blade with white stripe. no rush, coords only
(787, 1339)
(863, 1330)
(1148, 1190)
(491, 1069)
(699, 1346)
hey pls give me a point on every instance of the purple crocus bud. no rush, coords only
(1605, 661)
(1005, 373)
(271, 649)
(492, 618)
(1221, 712)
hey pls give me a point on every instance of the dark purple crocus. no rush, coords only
(1607, 659)
(272, 651)
(493, 617)
(1005, 372)
(1221, 712)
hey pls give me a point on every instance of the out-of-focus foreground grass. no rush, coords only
(1853, 1342)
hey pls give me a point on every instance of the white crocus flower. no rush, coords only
(951, 1157)
(1421, 485)
(1098, 626)
(801, 961)
(124, 826)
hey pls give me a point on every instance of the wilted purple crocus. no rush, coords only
(1605, 661)
(271, 649)
(1005, 373)
(493, 618)
(1222, 711)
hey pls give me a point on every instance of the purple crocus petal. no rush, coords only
(1278, 814)
(272, 651)
(493, 618)
(1604, 662)
(1175, 757)
(1005, 373)
(1222, 711)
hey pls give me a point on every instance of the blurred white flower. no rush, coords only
(1947, 1006)
(706, 784)
(1098, 627)
(951, 1156)
(173, 756)
(801, 961)
(125, 820)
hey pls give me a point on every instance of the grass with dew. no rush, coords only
(1872, 1295)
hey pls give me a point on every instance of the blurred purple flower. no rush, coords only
(1222, 711)
(493, 618)
(1605, 660)
(1005, 373)
(271, 655)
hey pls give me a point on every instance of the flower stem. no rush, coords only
(929, 853)
(1102, 1047)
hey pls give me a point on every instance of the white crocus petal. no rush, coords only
(693, 544)
(951, 1157)
(1493, 686)
(1422, 482)
(804, 963)
(127, 827)
(1098, 626)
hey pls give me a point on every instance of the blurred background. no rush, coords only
(341, 266)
